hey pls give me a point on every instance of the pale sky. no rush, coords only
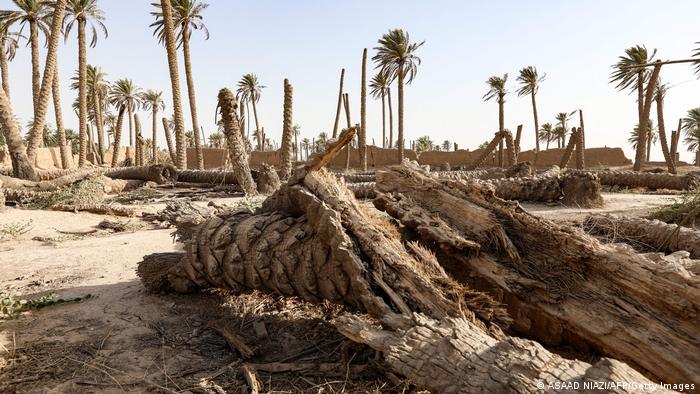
(573, 42)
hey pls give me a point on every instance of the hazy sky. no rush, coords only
(573, 42)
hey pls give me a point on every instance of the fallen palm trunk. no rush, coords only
(158, 173)
(648, 180)
(453, 356)
(581, 190)
(561, 285)
(523, 169)
(358, 177)
(211, 177)
(363, 190)
(100, 209)
(654, 233)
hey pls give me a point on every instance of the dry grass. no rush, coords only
(679, 210)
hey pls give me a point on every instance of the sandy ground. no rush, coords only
(122, 339)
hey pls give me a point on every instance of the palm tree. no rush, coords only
(397, 59)
(691, 126)
(98, 90)
(546, 133)
(653, 137)
(216, 140)
(446, 145)
(9, 42)
(296, 130)
(629, 77)
(125, 93)
(423, 144)
(379, 88)
(562, 119)
(32, 13)
(171, 48)
(659, 96)
(497, 90)
(305, 143)
(559, 132)
(187, 15)
(153, 101)
(66, 155)
(529, 84)
(21, 166)
(249, 90)
(321, 141)
(84, 12)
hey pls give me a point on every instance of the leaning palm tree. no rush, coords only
(379, 88)
(32, 13)
(629, 77)
(249, 89)
(171, 48)
(21, 166)
(187, 15)
(497, 90)
(125, 92)
(529, 84)
(396, 57)
(659, 96)
(85, 13)
(546, 134)
(691, 126)
(9, 42)
(153, 101)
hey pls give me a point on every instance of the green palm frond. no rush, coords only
(29, 11)
(379, 85)
(546, 133)
(691, 126)
(249, 89)
(10, 40)
(88, 11)
(152, 99)
(497, 87)
(125, 93)
(396, 53)
(187, 16)
(651, 129)
(624, 73)
(529, 80)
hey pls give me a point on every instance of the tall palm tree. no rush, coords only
(546, 133)
(9, 42)
(21, 166)
(171, 48)
(691, 126)
(529, 84)
(85, 13)
(32, 13)
(187, 15)
(562, 119)
(125, 92)
(66, 154)
(659, 96)
(629, 77)
(249, 89)
(58, 8)
(379, 87)
(396, 57)
(497, 90)
(98, 90)
(153, 101)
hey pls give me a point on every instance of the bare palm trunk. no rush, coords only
(169, 31)
(99, 124)
(537, 124)
(383, 120)
(340, 104)
(140, 145)
(648, 153)
(258, 132)
(391, 119)
(346, 101)
(169, 141)
(287, 130)
(82, 92)
(4, 68)
(37, 133)
(675, 135)
(21, 166)
(154, 127)
(118, 136)
(644, 122)
(130, 114)
(501, 127)
(192, 98)
(400, 83)
(66, 152)
(236, 149)
(36, 68)
(363, 114)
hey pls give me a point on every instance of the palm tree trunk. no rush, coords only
(154, 127)
(99, 123)
(287, 130)
(236, 148)
(118, 136)
(140, 154)
(346, 100)
(258, 133)
(363, 114)
(4, 70)
(36, 70)
(400, 83)
(675, 135)
(191, 95)
(639, 153)
(648, 153)
(131, 124)
(169, 141)
(37, 133)
(66, 153)
(549, 139)
(21, 166)
(243, 121)
(383, 120)
(82, 92)
(537, 124)
(644, 123)
(391, 119)
(501, 127)
(340, 103)
(169, 31)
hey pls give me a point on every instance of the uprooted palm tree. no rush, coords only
(187, 16)
(125, 93)
(691, 126)
(546, 134)
(380, 87)
(248, 91)
(33, 13)
(529, 81)
(153, 101)
(497, 90)
(396, 57)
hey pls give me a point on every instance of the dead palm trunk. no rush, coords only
(497, 139)
(644, 121)
(518, 135)
(383, 120)
(391, 119)
(154, 126)
(340, 104)
(37, 133)
(140, 155)
(511, 155)
(401, 87)
(346, 101)
(169, 140)
(258, 132)
(566, 157)
(21, 166)
(4, 70)
(170, 45)
(287, 130)
(118, 135)
(501, 126)
(130, 114)
(675, 135)
(236, 147)
(191, 94)
(99, 123)
(66, 152)
(537, 124)
(580, 149)
(363, 114)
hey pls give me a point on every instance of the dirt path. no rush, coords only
(122, 339)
